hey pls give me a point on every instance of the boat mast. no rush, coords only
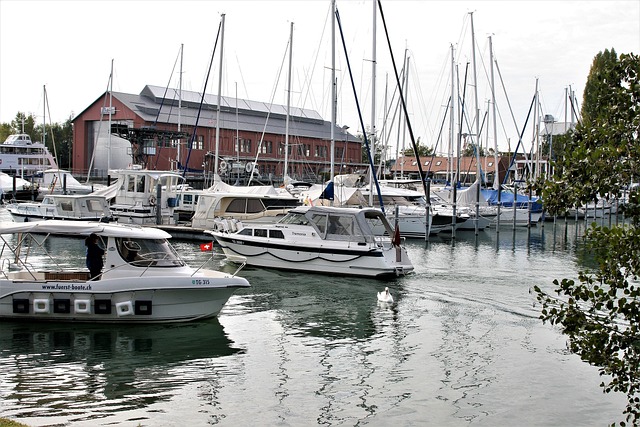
(215, 167)
(373, 105)
(405, 88)
(286, 130)
(334, 102)
(452, 122)
(479, 179)
(179, 107)
(110, 111)
(475, 93)
(496, 178)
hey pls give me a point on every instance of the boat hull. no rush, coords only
(117, 300)
(356, 260)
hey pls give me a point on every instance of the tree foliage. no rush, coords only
(423, 150)
(599, 312)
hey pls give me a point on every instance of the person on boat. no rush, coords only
(95, 253)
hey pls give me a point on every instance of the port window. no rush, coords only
(260, 232)
(276, 234)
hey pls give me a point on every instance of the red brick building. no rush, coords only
(439, 168)
(248, 130)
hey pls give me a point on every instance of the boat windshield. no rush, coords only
(148, 252)
(295, 218)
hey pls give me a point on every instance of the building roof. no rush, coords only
(440, 164)
(157, 104)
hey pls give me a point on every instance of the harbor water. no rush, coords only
(461, 345)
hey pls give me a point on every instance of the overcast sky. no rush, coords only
(68, 47)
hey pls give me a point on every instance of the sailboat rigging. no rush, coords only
(364, 134)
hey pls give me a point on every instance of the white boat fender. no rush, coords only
(41, 306)
(82, 306)
(124, 308)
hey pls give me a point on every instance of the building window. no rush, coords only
(414, 163)
(199, 142)
(339, 153)
(321, 151)
(245, 145)
(427, 163)
(267, 147)
(439, 162)
(490, 164)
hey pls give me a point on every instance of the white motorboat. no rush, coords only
(57, 206)
(320, 239)
(143, 281)
(145, 197)
(262, 203)
(20, 155)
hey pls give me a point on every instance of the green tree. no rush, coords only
(599, 312)
(423, 150)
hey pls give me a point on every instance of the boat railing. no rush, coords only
(217, 255)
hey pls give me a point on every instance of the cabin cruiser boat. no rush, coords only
(21, 156)
(262, 203)
(320, 239)
(143, 280)
(145, 197)
(57, 206)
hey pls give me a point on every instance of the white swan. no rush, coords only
(385, 296)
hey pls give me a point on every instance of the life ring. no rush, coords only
(223, 165)
(248, 167)
(152, 200)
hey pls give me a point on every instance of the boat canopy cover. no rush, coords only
(82, 228)
(221, 187)
(6, 182)
(108, 192)
(342, 196)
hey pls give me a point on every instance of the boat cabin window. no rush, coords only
(276, 234)
(321, 223)
(343, 227)
(255, 206)
(66, 206)
(94, 206)
(294, 218)
(246, 232)
(131, 183)
(148, 252)
(260, 232)
(280, 203)
(237, 206)
(140, 185)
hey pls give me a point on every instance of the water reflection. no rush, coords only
(89, 371)
(316, 305)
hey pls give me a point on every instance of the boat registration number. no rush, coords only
(200, 282)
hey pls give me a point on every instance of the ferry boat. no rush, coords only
(19, 155)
